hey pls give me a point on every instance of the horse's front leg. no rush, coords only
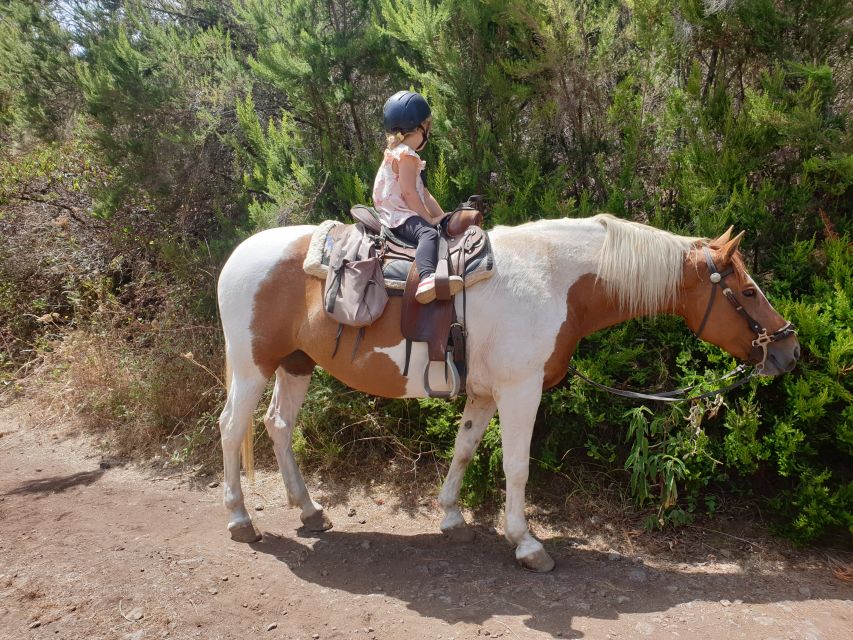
(475, 418)
(517, 406)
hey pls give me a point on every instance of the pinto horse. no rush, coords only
(556, 281)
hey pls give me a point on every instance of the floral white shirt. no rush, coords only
(387, 194)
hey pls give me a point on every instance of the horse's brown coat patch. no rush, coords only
(587, 310)
(288, 317)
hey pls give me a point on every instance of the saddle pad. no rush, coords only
(316, 262)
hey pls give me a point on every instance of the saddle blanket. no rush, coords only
(477, 268)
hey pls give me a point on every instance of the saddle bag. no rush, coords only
(355, 286)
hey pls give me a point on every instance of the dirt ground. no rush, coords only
(132, 553)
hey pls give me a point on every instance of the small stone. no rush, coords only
(272, 625)
(224, 578)
(104, 465)
(316, 636)
(245, 605)
(362, 521)
(614, 555)
(726, 603)
(35, 625)
(351, 512)
(259, 507)
(136, 614)
(213, 485)
(213, 591)
(622, 599)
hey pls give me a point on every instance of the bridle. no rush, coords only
(759, 345)
(762, 338)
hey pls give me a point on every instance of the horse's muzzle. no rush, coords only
(782, 357)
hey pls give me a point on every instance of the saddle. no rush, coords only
(462, 237)
(464, 250)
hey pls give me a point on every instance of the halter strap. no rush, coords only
(716, 279)
(762, 338)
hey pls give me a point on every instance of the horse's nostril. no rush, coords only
(797, 352)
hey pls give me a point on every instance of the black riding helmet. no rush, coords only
(404, 111)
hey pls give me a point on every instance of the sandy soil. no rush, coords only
(132, 553)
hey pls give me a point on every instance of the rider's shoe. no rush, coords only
(425, 292)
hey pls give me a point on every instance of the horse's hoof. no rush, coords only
(317, 521)
(459, 534)
(245, 532)
(538, 561)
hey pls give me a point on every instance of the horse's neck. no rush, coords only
(558, 259)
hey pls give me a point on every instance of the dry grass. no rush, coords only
(136, 387)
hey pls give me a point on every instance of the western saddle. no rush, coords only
(463, 249)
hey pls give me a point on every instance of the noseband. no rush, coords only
(762, 338)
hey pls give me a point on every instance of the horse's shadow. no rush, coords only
(476, 581)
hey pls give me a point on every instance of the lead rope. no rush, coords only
(669, 396)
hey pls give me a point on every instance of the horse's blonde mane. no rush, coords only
(640, 266)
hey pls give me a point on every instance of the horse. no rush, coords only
(556, 281)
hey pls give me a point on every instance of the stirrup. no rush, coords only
(455, 379)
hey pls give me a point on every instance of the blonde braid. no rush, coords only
(393, 139)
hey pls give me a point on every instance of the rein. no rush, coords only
(759, 344)
(676, 395)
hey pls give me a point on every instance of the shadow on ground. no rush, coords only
(474, 582)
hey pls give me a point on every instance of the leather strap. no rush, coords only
(442, 274)
(670, 396)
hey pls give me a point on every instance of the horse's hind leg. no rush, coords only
(244, 392)
(475, 418)
(287, 398)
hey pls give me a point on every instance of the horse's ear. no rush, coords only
(723, 239)
(728, 249)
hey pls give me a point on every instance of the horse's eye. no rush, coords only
(749, 293)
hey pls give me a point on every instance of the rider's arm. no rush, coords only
(433, 206)
(409, 168)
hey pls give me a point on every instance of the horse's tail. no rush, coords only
(247, 448)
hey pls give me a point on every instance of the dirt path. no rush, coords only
(84, 551)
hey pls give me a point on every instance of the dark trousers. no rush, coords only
(416, 229)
